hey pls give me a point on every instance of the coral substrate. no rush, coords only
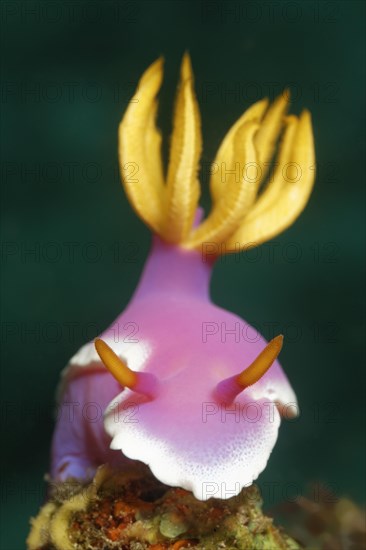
(134, 511)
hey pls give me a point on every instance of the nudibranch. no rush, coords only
(200, 409)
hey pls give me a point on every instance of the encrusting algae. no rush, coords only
(134, 511)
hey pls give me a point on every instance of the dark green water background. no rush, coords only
(68, 71)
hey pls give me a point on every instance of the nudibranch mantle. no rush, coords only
(200, 407)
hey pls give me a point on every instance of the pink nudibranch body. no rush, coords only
(184, 414)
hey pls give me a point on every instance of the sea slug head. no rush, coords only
(211, 424)
(197, 428)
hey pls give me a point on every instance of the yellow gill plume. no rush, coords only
(242, 214)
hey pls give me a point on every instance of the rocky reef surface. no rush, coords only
(134, 511)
